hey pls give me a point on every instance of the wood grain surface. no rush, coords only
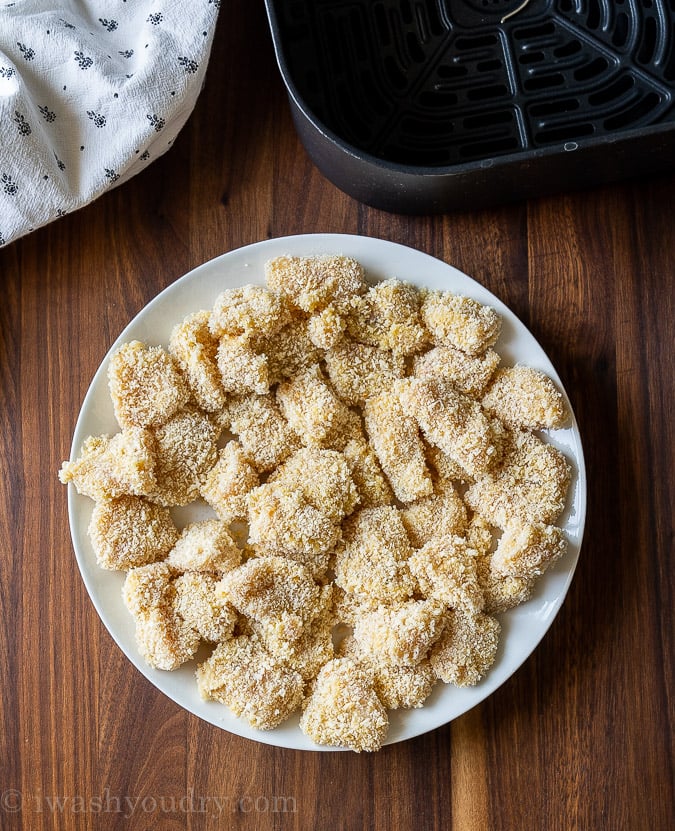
(581, 737)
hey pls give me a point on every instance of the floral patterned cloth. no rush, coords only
(91, 93)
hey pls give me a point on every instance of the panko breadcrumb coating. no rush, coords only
(226, 486)
(129, 531)
(526, 551)
(201, 607)
(530, 484)
(371, 484)
(440, 515)
(195, 350)
(312, 408)
(358, 371)
(344, 709)
(263, 432)
(241, 368)
(254, 684)
(146, 386)
(401, 634)
(373, 558)
(247, 311)
(395, 438)
(524, 397)
(164, 639)
(469, 374)
(462, 322)
(378, 487)
(446, 570)
(108, 467)
(205, 546)
(312, 283)
(186, 450)
(466, 649)
(387, 316)
(454, 422)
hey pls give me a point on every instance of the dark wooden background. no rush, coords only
(580, 738)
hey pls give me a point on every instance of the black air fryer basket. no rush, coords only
(424, 106)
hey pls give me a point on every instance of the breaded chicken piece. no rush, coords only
(322, 477)
(454, 422)
(466, 649)
(469, 374)
(129, 531)
(387, 316)
(226, 486)
(263, 432)
(241, 368)
(201, 607)
(454, 320)
(312, 408)
(194, 348)
(312, 283)
(163, 638)
(146, 385)
(524, 397)
(373, 558)
(358, 371)
(205, 546)
(526, 550)
(186, 450)
(400, 634)
(501, 592)
(112, 466)
(440, 515)
(371, 484)
(308, 653)
(529, 485)
(245, 676)
(290, 350)
(445, 569)
(283, 522)
(395, 438)
(246, 312)
(443, 467)
(344, 709)
(326, 327)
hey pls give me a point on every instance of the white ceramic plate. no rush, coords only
(522, 627)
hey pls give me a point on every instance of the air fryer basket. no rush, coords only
(430, 105)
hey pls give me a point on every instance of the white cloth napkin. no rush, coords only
(91, 93)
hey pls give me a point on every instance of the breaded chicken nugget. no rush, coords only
(395, 438)
(344, 709)
(373, 558)
(246, 312)
(262, 430)
(146, 386)
(527, 550)
(241, 368)
(226, 486)
(454, 422)
(195, 350)
(469, 374)
(205, 546)
(371, 484)
(312, 283)
(326, 327)
(290, 350)
(129, 531)
(524, 397)
(440, 515)
(529, 485)
(201, 607)
(186, 451)
(387, 316)
(400, 634)
(454, 320)
(108, 467)
(445, 569)
(245, 676)
(358, 371)
(466, 649)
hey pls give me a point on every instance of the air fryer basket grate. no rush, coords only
(444, 82)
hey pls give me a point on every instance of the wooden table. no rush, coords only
(579, 738)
